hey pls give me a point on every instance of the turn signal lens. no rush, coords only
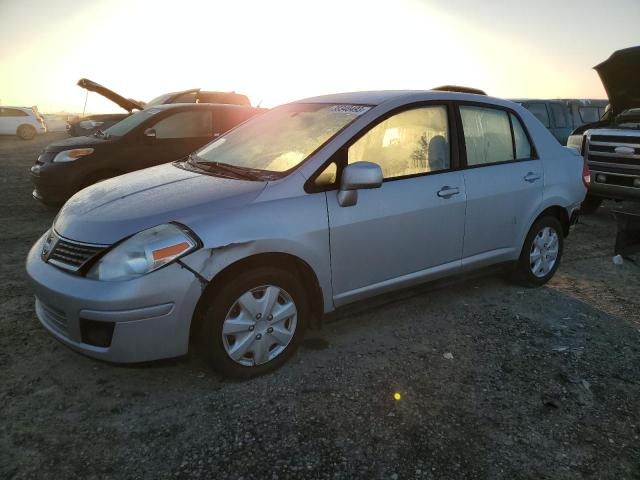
(71, 155)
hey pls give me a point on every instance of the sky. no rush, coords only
(282, 50)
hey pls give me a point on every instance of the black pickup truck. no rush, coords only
(612, 144)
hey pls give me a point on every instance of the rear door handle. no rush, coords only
(531, 177)
(447, 192)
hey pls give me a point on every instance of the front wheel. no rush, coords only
(255, 322)
(541, 252)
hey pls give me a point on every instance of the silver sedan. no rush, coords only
(247, 242)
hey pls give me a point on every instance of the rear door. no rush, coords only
(178, 135)
(414, 223)
(503, 181)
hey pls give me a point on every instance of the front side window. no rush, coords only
(487, 135)
(559, 117)
(412, 142)
(282, 138)
(184, 125)
(539, 110)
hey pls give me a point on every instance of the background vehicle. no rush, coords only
(150, 137)
(553, 114)
(25, 122)
(232, 247)
(90, 123)
(612, 144)
(585, 111)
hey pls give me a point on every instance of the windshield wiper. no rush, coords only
(240, 172)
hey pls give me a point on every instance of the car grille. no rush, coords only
(602, 148)
(54, 318)
(69, 254)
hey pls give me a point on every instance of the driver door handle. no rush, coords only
(448, 192)
(531, 177)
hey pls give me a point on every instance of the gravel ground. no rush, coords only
(495, 381)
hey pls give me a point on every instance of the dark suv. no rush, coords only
(90, 123)
(150, 137)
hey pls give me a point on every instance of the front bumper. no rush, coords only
(53, 184)
(616, 185)
(150, 316)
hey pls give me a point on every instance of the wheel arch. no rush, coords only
(270, 259)
(560, 213)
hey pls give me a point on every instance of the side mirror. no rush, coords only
(150, 134)
(358, 176)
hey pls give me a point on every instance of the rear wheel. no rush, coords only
(26, 132)
(255, 322)
(590, 204)
(541, 252)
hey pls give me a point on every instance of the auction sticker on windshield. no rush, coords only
(353, 109)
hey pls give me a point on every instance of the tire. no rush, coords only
(590, 205)
(530, 273)
(26, 132)
(227, 323)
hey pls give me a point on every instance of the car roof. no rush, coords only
(195, 106)
(538, 100)
(378, 97)
(19, 108)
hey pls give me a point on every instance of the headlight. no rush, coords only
(575, 141)
(144, 252)
(71, 155)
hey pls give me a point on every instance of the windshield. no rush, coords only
(132, 121)
(282, 138)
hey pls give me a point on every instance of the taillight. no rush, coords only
(586, 174)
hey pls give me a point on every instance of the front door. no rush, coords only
(412, 226)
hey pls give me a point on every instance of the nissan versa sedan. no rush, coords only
(298, 211)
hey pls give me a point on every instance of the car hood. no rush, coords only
(119, 207)
(620, 75)
(77, 142)
(127, 103)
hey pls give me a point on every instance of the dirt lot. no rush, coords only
(542, 384)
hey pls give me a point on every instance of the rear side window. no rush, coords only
(12, 112)
(589, 114)
(559, 117)
(520, 139)
(487, 135)
(539, 110)
(409, 143)
(184, 125)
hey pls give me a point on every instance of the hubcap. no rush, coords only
(259, 325)
(544, 252)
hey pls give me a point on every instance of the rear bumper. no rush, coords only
(147, 318)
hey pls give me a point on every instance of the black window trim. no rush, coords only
(339, 157)
(463, 149)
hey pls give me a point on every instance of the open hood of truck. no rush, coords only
(620, 75)
(126, 103)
